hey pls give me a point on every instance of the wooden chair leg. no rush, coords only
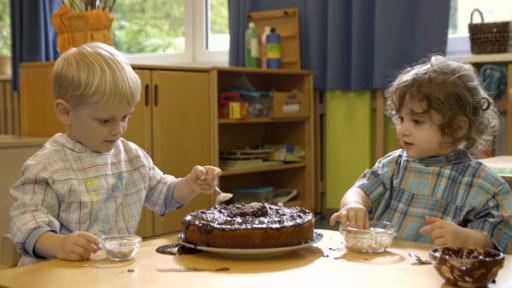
(9, 256)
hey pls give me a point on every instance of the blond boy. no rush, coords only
(90, 181)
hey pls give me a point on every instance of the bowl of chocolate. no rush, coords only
(467, 267)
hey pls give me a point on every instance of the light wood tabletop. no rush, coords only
(325, 263)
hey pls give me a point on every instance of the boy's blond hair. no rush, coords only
(95, 73)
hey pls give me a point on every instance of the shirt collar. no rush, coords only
(70, 143)
(457, 156)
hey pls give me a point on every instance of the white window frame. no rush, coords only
(202, 55)
(458, 47)
(195, 43)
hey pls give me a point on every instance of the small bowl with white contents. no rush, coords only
(120, 247)
(377, 239)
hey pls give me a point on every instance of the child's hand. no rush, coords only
(354, 215)
(77, 246)
(201, 179)
(444, 232)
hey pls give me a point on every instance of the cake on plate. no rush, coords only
(249, 226)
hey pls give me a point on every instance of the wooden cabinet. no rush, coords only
(172, 123)
(37, 102)
(293, 130)
(504, 105)
(176, 123)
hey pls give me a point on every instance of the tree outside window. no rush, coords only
(5, 28)
(149, 26)
(155, 27)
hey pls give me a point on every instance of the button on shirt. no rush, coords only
(452, 187)
(66, 187)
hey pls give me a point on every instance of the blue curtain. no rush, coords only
(354, 44)
(33, 36)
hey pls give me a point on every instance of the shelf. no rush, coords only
(501, 104)
(296, 129)
(489, 58)
(260, 120)
(231, 172)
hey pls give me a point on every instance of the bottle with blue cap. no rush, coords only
(273, 49)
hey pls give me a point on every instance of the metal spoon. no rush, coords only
(419, 259)
(222, 197)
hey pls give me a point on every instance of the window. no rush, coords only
(172, 31)
(460, 14)
(5, 28)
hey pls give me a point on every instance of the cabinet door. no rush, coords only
(139, 124)
(182, 133)
(139, 132)
(37, 103)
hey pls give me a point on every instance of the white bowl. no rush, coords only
(120, 247)
(374, 240)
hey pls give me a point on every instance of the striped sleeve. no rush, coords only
(377, 181)
(35, 208)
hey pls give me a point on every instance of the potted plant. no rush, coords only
(81, 21)
(5, 39)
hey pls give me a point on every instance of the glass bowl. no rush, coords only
(120, 247)
(377, 239)
(467, 267)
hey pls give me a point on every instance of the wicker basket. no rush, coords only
(488, 37)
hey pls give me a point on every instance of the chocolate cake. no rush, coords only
(255, 225)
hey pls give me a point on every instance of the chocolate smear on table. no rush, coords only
(192, 269)
(176, 249)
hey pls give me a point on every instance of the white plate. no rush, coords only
(252, 253)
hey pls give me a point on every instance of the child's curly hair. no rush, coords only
(452, 90)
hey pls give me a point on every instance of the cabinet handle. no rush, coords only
(146, 95)
(156, 95)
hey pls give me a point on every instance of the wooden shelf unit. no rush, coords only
(237, 134)
(505, 104)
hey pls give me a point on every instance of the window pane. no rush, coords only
(493, 11)
(5, 28)
(217, 25)
(149, 26)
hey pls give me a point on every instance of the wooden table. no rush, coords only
(325, 263)
(502, 165)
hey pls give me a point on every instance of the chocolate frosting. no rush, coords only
(247, 216)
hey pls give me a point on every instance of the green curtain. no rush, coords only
(349, 140)
(390, 143)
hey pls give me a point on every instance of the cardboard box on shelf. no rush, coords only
(289, 104)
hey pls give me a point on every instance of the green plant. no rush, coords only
(5, 28)
(88, 5)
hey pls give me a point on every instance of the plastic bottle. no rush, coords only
(266, 31)
(252, 51)
(273, 48)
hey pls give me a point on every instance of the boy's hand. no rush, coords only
(77, 246)
(354, 215)
(444, 232)
(202, 179)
